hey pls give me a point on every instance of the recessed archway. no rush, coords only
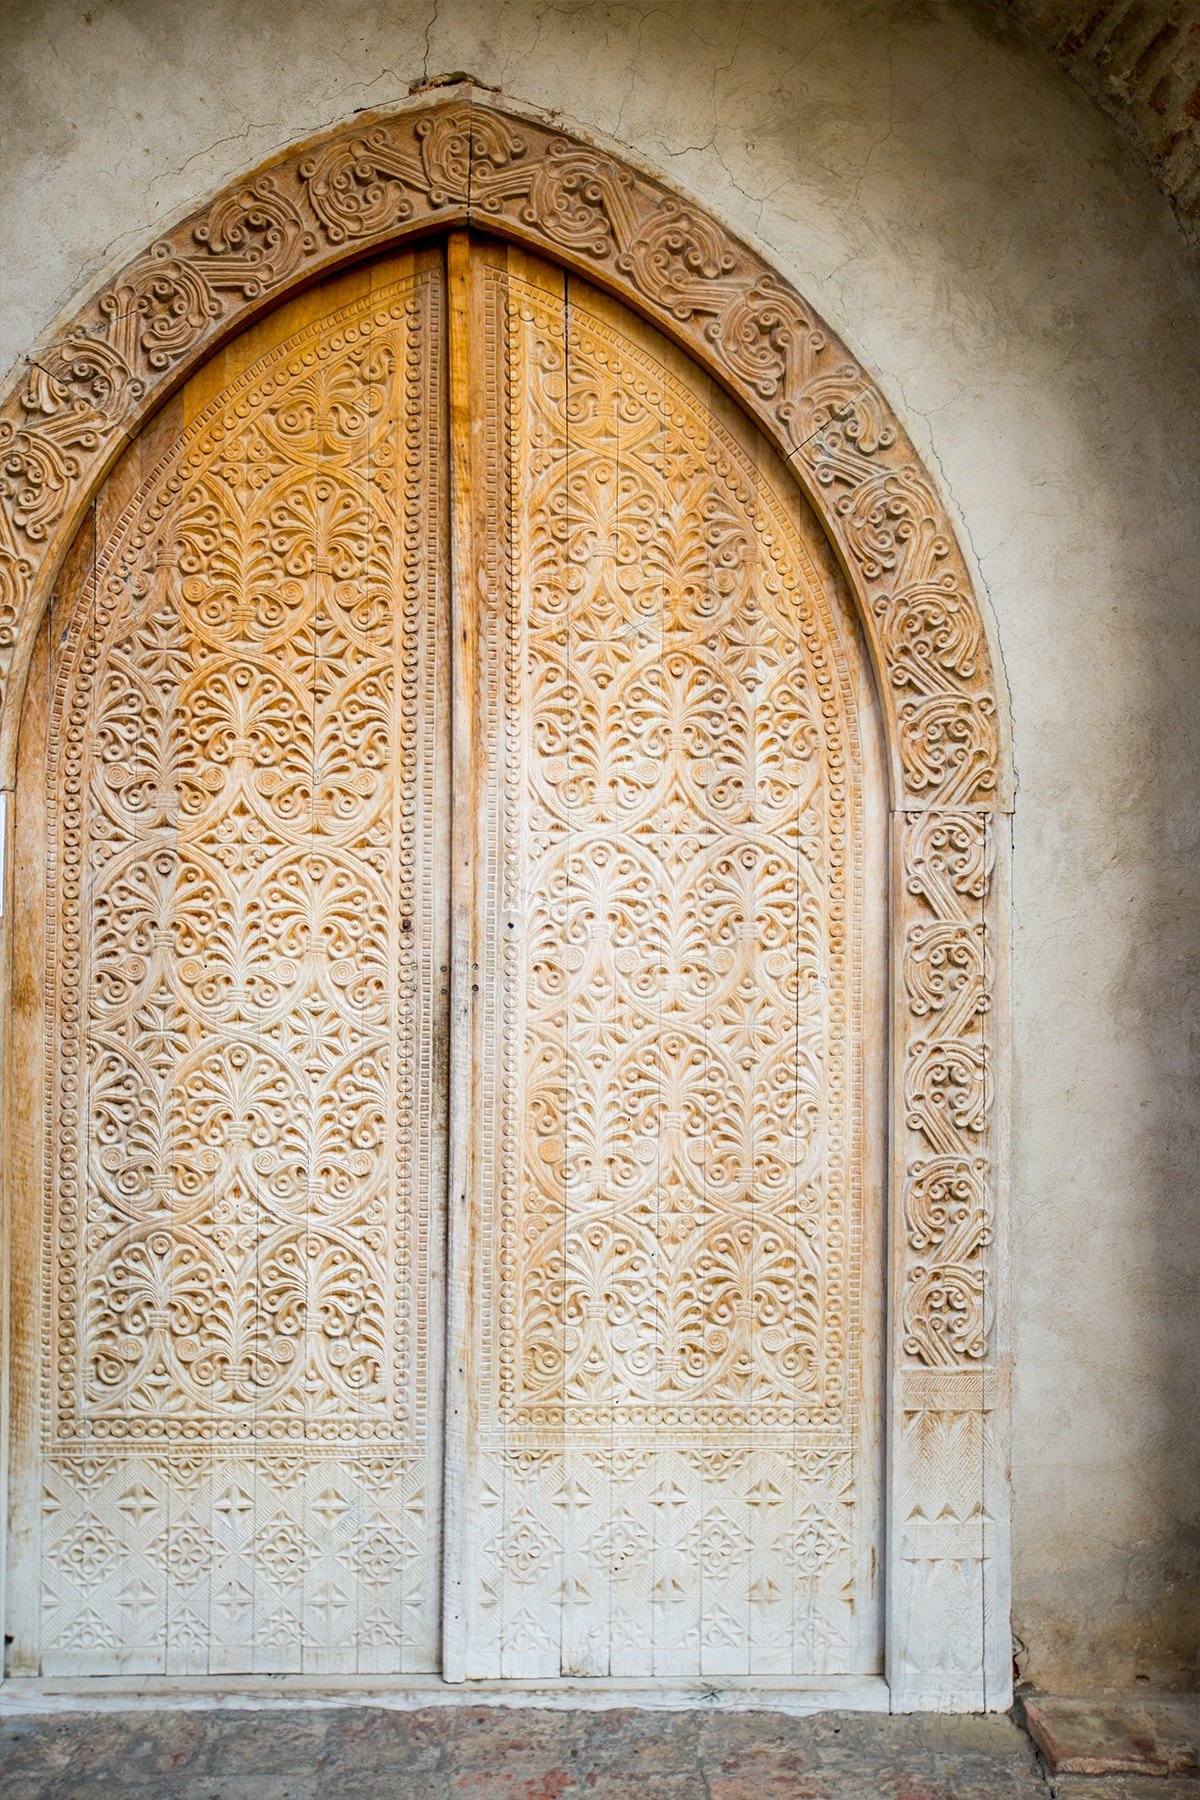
(462, 160)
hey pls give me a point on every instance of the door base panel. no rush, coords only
(124, 1693)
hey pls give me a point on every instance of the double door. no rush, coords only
(450, 1025)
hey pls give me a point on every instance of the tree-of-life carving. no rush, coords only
(247, 964)
(671, 1471)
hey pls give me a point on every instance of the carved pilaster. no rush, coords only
(948, 1635)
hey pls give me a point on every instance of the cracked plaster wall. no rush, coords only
(987, 242)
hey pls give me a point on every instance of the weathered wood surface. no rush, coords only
(231, 1451)
(257, 662)
(672, 1337)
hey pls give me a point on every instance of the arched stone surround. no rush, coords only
(459, 158)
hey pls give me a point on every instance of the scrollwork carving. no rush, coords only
(361, 188)
(450, 162)
(456, 160)
(670, 1107)
(161, 308)
(242, 1200)
(949, 1088)
(254, 238)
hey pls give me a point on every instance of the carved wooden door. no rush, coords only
(665, 1191)
(449, 636)
(233, 1441)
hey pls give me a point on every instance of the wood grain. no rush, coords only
(672, 1456)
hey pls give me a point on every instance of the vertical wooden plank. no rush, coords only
(24, 1148)
(552, 612)
(581, 1488)
(6, 1258)
(459, 1574)
(539, 714)
(425, 481)
(997, 1473)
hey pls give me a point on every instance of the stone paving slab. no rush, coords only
(1124, 1787)
(1159, 1737)
(500, 1753)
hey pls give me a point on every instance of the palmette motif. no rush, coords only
(242, 826)
(669, 1454)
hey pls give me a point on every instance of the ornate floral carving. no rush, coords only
(671, 1103)
(460, 160)
(243, 933)
(949, 1618)
(948, 1089)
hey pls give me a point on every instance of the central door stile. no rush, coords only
(466, 575)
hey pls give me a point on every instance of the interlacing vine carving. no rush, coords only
(948, 1089)
(687, 819)
(671, 1300)
(456, 162)
(240, 917)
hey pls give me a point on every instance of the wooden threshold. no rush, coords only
(122, 1693)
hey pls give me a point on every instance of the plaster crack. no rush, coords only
(230, 137)
(513, 60)
(724, 68)
(719, 69)
(430, 25)
(647, 13)
(952, 80)
(889, 133)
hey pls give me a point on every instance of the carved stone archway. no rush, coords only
(461, 158)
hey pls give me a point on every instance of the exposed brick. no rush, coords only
(1137, 59)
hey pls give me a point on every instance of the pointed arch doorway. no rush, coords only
(451, 990)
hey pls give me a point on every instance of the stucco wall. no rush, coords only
(987, 243)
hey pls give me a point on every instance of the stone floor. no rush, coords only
(499, 1753)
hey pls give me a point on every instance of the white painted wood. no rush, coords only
(791, 1695)
(948, 1637)
(465, 536)
(590, 1528)
(446, 161)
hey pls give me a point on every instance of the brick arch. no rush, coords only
(464, 159)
